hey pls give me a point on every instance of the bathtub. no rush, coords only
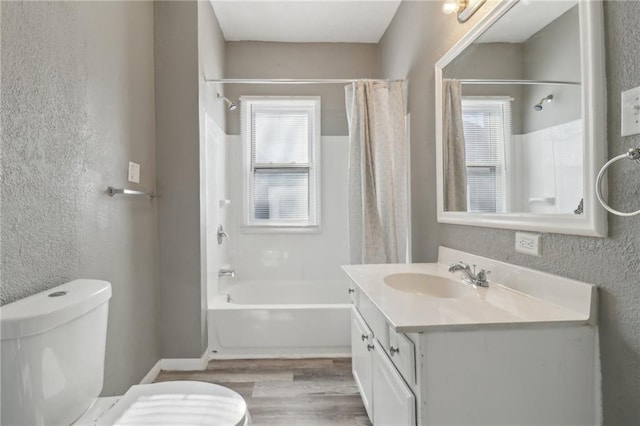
(263, 319)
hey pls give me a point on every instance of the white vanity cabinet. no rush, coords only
(526, 355)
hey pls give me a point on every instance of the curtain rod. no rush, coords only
(525, 82)
(292, 81)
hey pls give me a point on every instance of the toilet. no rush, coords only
(53, 350)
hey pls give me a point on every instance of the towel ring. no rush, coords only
(633, 154)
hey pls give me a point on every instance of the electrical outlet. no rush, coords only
(630, 112)
(134, 172)
(528, 243)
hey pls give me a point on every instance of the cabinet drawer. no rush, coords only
(374, 319)
(402, 352)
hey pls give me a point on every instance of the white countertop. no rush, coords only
(498, 305)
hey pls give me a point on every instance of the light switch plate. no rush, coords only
(134, 172)
(528, 243)
(631, 112)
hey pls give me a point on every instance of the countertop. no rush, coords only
(498, 305)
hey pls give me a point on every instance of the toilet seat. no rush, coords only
(184, 403)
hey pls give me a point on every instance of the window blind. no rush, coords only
(487, 127)
(281, 136)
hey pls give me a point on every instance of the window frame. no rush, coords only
(311, 105)
(506, 103)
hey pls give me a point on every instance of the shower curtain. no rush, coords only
(455, 170)
(377, 172)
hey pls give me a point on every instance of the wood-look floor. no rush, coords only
(304, 392)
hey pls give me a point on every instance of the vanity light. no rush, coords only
(464, 8)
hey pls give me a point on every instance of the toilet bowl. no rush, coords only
(170, 403)
(53, 348)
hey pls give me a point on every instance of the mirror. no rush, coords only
(520, 119)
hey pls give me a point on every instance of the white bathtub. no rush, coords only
(259, 319)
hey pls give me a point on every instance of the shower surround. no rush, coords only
(289, 296)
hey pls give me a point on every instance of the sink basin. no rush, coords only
(429, 285)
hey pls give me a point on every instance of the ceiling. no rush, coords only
(524, 20)
(310, 21)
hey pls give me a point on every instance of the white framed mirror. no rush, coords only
(520, 119)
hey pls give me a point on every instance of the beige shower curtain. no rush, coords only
(377, 172)
(455, 170)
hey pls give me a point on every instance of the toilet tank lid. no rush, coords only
(51, 308)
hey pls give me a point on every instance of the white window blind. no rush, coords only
(282, 136)
(487, 128)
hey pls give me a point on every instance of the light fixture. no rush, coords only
(464, 8)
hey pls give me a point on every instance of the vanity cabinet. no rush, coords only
(473, 375)
(382, 364)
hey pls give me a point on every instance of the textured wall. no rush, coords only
(77, 105)
(611, 263)
(251, 59)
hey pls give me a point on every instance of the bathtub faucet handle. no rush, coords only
(351, 291)
(222, 234)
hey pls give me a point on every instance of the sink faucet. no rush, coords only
(470, 276)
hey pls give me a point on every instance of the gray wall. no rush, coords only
(189, 48)
(249, 59)
(77, 105)
(178, 89)
(211, 47)
(553, 53)
(410, 48)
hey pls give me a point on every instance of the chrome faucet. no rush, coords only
(470, 277)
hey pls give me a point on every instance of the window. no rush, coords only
(487, 128)
(282, 145)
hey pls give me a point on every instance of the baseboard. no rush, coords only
(152, 374)
(175, 364)
(185, 364)
(281, 356)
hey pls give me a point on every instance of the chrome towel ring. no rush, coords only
(633, 154)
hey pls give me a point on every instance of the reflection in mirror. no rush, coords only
(512, 121)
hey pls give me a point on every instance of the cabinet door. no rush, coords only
(394, 402)
(361, 356)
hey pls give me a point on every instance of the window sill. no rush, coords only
(274, 229)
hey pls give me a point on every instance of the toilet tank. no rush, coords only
(53, 348)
